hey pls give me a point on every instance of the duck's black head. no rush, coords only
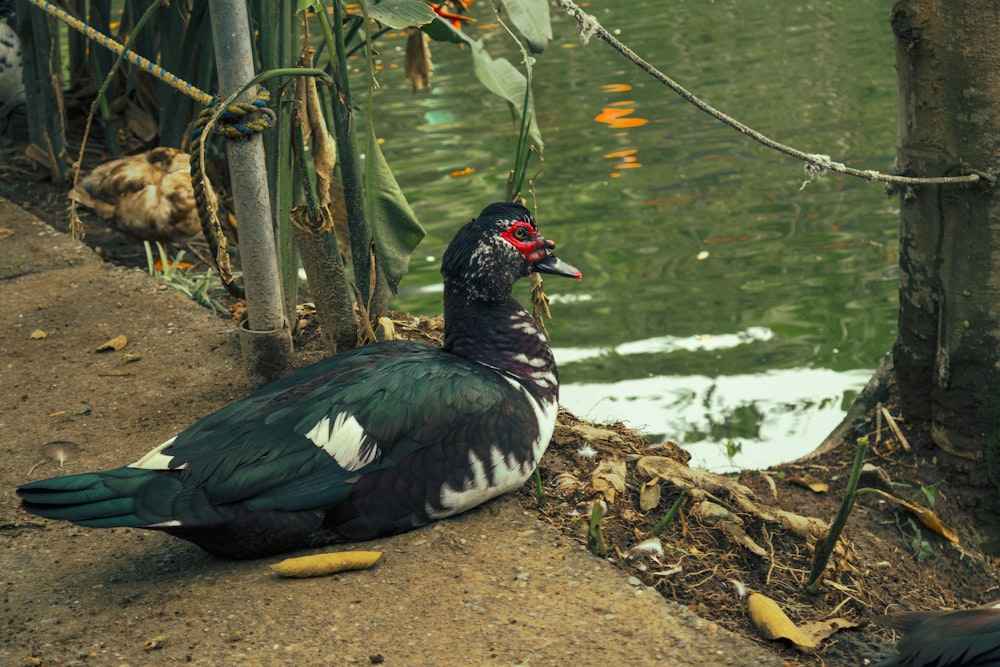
(491, 253)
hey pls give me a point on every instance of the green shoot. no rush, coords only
(669, 516)
(595, 538)
(824, 547)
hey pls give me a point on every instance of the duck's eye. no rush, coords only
(521, 232)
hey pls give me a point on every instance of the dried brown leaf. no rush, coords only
(649, 495)
(773, 623)
(608, 479)
(115, 344)
(592, 433)
(418, 59)
(156, 643)
(323, 564)
(926, 516)
(820, 630)
(539, 302)
(141, 123)
(809, 482)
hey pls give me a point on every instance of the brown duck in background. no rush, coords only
(148, 197)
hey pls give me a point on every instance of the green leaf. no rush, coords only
(401, 14)
(531, 18)
(503, 79)
(443, 31)
(394, 225)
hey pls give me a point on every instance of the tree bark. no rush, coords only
(947, 355)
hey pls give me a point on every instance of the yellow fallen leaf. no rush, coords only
(773, 623)
(116, 343)
(37, 334)
(321, 565)
(926, 516)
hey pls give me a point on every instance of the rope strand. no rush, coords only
(149, 66)
(816, 164)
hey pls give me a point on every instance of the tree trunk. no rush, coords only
(947, 355)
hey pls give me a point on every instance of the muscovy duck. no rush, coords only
(373, 441)
(963, 638)
(147, 196)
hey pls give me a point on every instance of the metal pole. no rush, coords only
(266, 336)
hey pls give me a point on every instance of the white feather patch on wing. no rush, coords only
(505, 472)
(156, 459)
(345, 440)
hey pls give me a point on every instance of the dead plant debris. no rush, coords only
(747, 529)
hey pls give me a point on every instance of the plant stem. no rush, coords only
(669, 516)
(824, 547)
(595, 538)
(515, 182)
(347, 159)
(539, 491)
(42, 76)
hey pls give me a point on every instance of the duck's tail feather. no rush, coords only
(123, 497)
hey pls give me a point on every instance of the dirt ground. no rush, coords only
(511, 583)
(496, 586)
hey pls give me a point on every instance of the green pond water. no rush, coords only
(722, 300)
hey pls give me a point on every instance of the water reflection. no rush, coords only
(727, 422)
(765, 418)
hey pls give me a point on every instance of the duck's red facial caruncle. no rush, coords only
(537, 250)
(523, 236)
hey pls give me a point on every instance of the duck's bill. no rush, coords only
(557, 267)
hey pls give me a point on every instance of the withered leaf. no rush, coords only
(418, 59)
(809, 482)
(773, 623)
(820, 630)
(926, 516)
(141, 123)
(116, 343)
(649, 495)
(156, 643)
(323, 564)
(608, 479)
